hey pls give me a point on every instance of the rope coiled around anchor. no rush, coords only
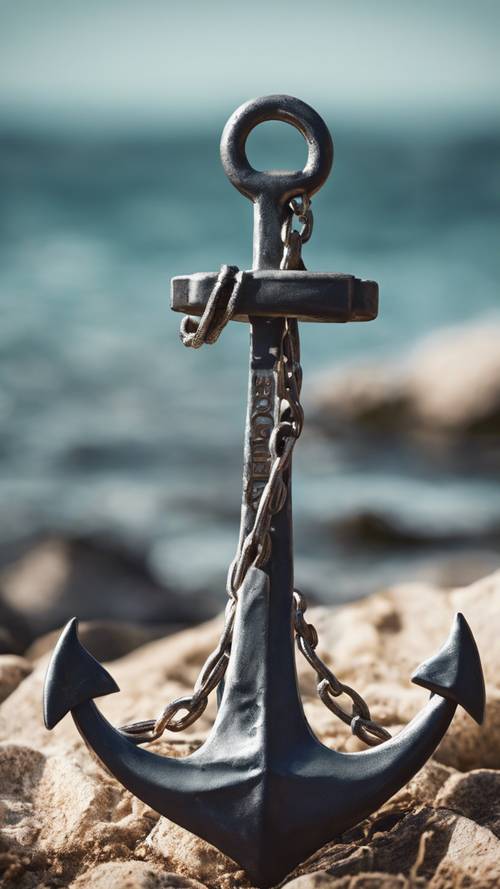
(196, 332)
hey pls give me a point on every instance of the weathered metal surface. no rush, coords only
(307, 296)
(270, 191)
(262, 788)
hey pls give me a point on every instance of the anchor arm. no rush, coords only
(180, 788)
(258, 760)
(195, 790)
(454, 677)
(324, 793)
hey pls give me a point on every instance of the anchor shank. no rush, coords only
(262, 414)
(268, 215)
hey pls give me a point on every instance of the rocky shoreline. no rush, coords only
(67, 823)
(48, 579)
(396, 475)
(444, 392)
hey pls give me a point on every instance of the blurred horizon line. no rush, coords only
(103, 123)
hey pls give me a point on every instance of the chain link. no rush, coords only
(293, 239)
(255, 548)
(330, 687)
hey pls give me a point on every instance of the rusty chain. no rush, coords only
(254, 549)
(330, 687)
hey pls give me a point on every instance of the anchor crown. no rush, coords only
(275, 759)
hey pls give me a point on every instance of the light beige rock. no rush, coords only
(449, 385)
(44, 582)
(66, 822)
(474, 794)
(130, 875)
(189, 855)
(106, 640)
(324, 880)
(472, 858)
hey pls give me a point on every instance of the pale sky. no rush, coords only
(157, 61)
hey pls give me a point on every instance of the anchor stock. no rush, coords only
(240, 788)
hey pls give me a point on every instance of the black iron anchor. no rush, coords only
(262, 788)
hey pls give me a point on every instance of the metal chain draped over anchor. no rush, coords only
(255, 548)
(330, 687)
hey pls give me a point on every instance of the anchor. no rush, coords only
(262, 787)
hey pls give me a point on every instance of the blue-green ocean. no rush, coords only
(111, 427)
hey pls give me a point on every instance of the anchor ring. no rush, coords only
(280, 185)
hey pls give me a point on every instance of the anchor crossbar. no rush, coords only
(306, 296)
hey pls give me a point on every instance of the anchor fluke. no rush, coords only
(73, 676)
(455, 672)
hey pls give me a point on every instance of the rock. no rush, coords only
(14, 630)
(130, 875)
(368, 529)
(9, 644)
(107, 640)
(429, 847)
(13, 670)
(448, 386)
(190, 855)
(475, 795)
(67, 823)
(51, 580)
(472, 858)
(416, 440)
(324, 880)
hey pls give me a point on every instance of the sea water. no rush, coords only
(111, 427)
